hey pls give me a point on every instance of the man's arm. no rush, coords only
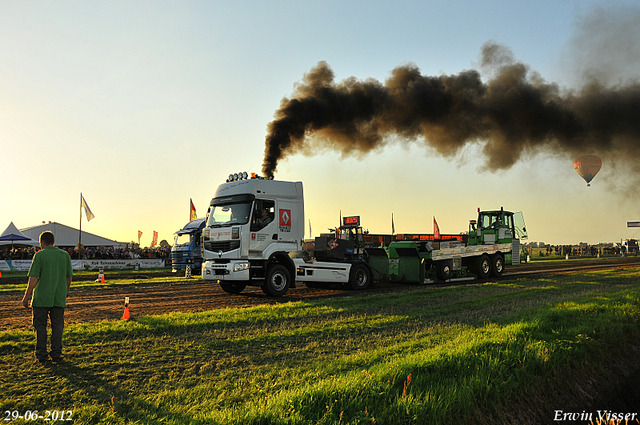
(33, 281)
(69, 273)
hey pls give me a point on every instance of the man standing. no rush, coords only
(49, 282)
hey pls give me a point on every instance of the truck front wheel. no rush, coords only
(232, 287)
(277, 282)
(360, 277)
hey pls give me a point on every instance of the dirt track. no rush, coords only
(182, 295)
(195, 295)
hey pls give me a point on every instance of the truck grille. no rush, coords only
(223, 246)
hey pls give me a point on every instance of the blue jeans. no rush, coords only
(40, 315)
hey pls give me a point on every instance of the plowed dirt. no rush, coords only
(188, 295)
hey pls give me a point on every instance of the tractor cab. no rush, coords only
(346, 242)
(352, 231)
(496, 227)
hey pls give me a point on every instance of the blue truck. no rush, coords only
(187, 247)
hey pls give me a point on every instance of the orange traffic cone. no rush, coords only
(100, 278)
(126, 315)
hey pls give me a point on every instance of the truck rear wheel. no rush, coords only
(443, 270)
(483, 267)
(497, 265)
(360, 277)
(232, 287)
(277, 282)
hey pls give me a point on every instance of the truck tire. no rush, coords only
(277, 282)
(359, 277)
(497, 265)
(232, 287)
(443, 270)
(483, 267)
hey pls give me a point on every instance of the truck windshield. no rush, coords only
(490, 220)
(183, 240)
(229, 214)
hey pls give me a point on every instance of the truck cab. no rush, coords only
(187, 247)
(252, 225)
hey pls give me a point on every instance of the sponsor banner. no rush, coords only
(21, 265)
(4, 266)
(143, 263)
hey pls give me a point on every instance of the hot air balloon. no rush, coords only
(587, 166)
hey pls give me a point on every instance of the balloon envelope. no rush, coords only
(587, 166)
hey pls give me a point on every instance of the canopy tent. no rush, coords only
(13, 236)
(66, 236)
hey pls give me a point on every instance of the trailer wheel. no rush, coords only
(443, 270)
(483, 267)
(277, 282)
(232, 287)
(497, 265)
(360, 277)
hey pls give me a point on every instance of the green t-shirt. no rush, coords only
(52, 266)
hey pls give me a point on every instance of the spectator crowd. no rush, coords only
(585, 250)
(9, 252)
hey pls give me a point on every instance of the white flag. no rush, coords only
(87, 210)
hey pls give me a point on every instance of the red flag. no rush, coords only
(436, 229)
(154, 241)
(139, 236)
(192, 211)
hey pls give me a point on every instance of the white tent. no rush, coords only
(13, 236)
(66, 236)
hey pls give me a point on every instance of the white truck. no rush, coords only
(254, 225)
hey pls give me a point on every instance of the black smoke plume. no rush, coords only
(514, 113)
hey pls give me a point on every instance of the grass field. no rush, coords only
(508, 352)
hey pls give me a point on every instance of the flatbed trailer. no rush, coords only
(492, 243)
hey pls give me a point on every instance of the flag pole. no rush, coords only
(393, 228)
(80, 233)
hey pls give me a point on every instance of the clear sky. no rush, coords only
(143, 105)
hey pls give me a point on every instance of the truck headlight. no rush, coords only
(240, 266)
